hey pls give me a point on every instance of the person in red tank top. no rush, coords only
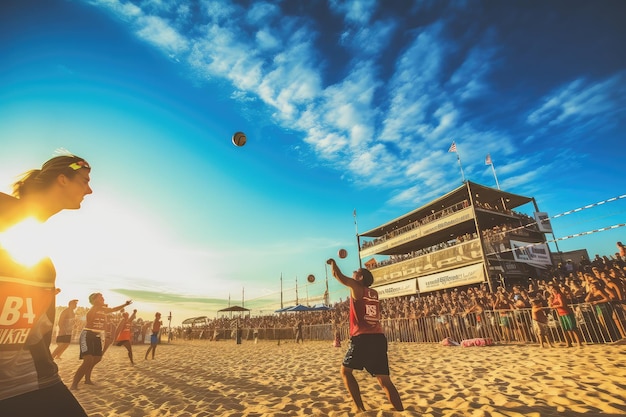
(124, 333)
(368, 343)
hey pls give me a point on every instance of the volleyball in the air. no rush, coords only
(239, 139)
(311, 278)
(342, 253)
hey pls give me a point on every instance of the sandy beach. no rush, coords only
(202, 378)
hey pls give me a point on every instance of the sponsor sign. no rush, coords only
(447, 221)
(453, 278)
(531, 253)
(391, 242)
(408, 287)
(543, 222)
(419, 231)
(453, 257)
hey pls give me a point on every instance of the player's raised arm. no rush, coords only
(356, 288)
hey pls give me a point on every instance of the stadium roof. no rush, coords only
(480, 193)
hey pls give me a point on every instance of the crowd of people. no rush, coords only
(599, 284)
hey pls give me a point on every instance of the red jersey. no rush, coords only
(125, 332)
(365, 314)
(27, 308)
(562, 308)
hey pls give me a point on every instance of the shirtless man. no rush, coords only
(66, 326)
(91, 337)
(154, 337)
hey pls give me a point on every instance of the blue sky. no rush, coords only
(346, 105)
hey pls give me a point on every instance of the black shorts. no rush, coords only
(90, 343)
(368, 351)
(55, 400)
(66, 338)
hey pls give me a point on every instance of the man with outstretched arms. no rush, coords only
(368, 343)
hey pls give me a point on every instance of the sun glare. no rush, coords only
(26, 242)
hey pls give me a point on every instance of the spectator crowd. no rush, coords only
(596, 290)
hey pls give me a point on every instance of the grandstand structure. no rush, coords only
(473, 234)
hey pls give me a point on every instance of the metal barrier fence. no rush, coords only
(602, 323)
(596, 324)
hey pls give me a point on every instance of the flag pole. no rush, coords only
(326, 294)
(454, 149)
(358, 241)
(489, 161)
(494, 175)
(460, 166)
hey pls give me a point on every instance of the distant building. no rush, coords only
(470, 235)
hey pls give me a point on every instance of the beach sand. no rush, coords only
(202, 378)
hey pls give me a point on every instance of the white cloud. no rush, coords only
(580, 99)
(122, 10)
(354, 11)
(469, 78)
(262, 13)
(413, 88)
(158, 32)
(267, 41)
(368, 40)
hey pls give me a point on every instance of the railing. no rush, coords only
(604, 324)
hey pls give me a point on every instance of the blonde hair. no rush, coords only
(40, 179)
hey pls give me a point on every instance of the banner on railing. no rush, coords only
(408, 287)
(543, 222)
(531, 253)
(417, 231)
(447, 221)
(454, 256)
(453, 278)
(390, 242)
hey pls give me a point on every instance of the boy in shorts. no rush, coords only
(540, 322)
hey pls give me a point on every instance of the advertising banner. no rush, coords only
(390, 242)
(531, 253)
(543, 222)
(447, 221)
(408, 287)
(454, 256)
(462, 276)
(419, 231)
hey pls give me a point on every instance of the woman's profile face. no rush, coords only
(76, 189)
